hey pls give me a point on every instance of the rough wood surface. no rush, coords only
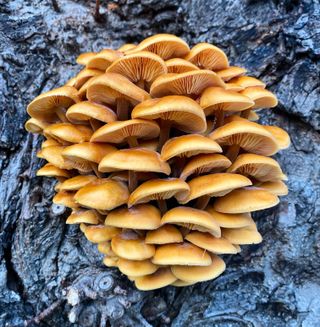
(51, 276)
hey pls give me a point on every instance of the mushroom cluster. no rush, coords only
(158, 153)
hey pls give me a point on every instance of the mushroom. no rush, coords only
(212, 185)
(182, 283)
(142, 216)
(93, 113)
(103, 59)
(77, 182)
(278, 188)
(191, 83)
(178, 66)
(200, 274)
(242, 236)
(207, 56)
(65, 199)
(247, 82)
(99, 233)
(35, 126)
(165, 46)
(231, 72)
(49, 170)
(281, 136)
(185, 254)
(83, 58)
(82, 216)
(85, 75)
(141, 68)
(160, 190)
(127, 46)
(115, 89)
(180, 112)
(126, 131)
(102, 194)
(105, 247)
(164, 235)
(52, 105)
(205, 163)
(136, 268)
(53, 154)
(111, 261)
(240, 201)
(193, 219)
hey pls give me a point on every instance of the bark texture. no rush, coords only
(50, 275)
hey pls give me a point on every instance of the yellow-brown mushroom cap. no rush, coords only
(242, 236)
(49, 142)
(191, 83)
(161, 278)
(164, 235)
(184, 113)
(65, 199)
(193, 219)
(83, 58)
(205, 163)
(83, 111)
(36, 126)
(136, 268)
(110, 261)
(105, 247)
(127, 46)
(185, 254)
(262, 98)
(216, 98)
(240, 201)
(207, 241)
(278, 188)
(84, 75)
(49, 170)
(103, 59)
(208, 56)
(213, 185)
(178, 66)
(157, 189)
(247, 82)
(188, 145)
(129, 245)
(119, 131)
(77, 182)
(53, 154)
(102, 194)
(143, 216)
(250, 136)
(135, 159)
(139, 66)
(182, 283)
(281, 136)
(231, 72)
(164, 45)
(100, 233)
(79, 216)
(109, 87)
(200, 274)
(233, 87)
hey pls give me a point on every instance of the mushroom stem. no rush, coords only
(245, 113)
(122, 109)
(219, 118)
(61, 113)
(103, 212)
(132, 141)
(94, 124)
(94, 167)
(179, 165)
(133, 182)
(202, 202)
(233, 152)
(162, 204)
(141, 84)
(165, 127)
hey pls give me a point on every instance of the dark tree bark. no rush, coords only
(51, 276)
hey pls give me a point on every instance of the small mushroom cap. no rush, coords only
(53, 154)
(66, 132)
(231, 72)
(182, 283)
(205, 163)
(253, 116)
(105, 247)
(127, 46)
(84, 76)
(143, 216)
(49, 170)
(248, 81)
(83, 111)
(178, 66)
(149, 144)
(139, 66)
(278, 188)
(216, 98)
(164, 45)
(242, 236)
(191, 83)
(109, 87)
(262, 98)
(161, 278)
(156, 189)
(164, 235)
(193, 219)
(110, 261)
(34, 125)
(103, 59)
(83, 58)
(188, 145)
(200, 274)
(129, 245)
(119, 131)
(233, 87)
(134, 159)
(77, 182)
(184, 113)
(136, 268)
(79, 216)
(100, 233)
(45, 105)
(240, 201)
(103, 194)
(226, 220)
(250, 136)
(259, 167)
(181, 254)
(211, 243)
(208, 56)
(49, 142)
(281, 136)
(65, 199)
(214, 185)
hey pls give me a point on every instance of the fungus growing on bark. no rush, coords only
(156, 153)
